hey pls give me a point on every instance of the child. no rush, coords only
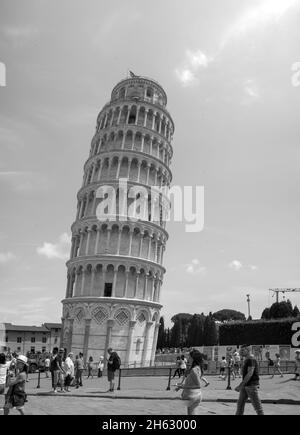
(100, 367)
(16, 396)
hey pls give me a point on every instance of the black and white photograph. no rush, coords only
(150, 210)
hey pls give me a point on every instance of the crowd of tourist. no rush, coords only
(67, 371)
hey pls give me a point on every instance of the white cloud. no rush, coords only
(251, 92)
(253, 267)
(6, 257)
(235, 265)
(194, 268)
(60, 250)
(194, 62)
(266, 12)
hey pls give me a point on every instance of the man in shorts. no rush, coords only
(113, 364)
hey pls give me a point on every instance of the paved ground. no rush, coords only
(90, 406)
(148, 396)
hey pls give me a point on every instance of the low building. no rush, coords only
(33, 339)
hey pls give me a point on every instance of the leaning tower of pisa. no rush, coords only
(115, 271)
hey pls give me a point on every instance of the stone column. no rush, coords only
(86, 339)
(151, 145)
(92, 281)
(110, 324)
(119, 117)
(137, 276)
(119, 241)
(132, 324)
(76, 290)
(126, 283)
(146, 342)
(119, 168)
(80, 243)
(61, 344)
(100, 171)
(149, 247)
(130, 241)
(123, 140)
(153, 121)
(68, 286)
(148, 173)
(139, 171)
(146, 116)
(94, 204)
(88, 242)
(97, 242)
(81, 209)
(145, 286)
(141, 243)
(129, 165)
(113, 293)
(69, 346)
(82, 283)
(154, 344)
(143, 143)
(93, 174)
(108, 240)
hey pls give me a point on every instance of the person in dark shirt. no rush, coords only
(249, 386)
(113, 364)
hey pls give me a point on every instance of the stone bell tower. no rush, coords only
(115, 271)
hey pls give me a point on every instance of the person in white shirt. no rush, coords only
(47, 366)
(100, 367)
(68, 367)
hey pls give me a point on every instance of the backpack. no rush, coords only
(116, 362)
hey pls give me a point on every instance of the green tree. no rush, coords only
(179, 331)
(296, 312)
(161, 334)
(210, 331)
(196, 330)
(227, 315)
(281, 310)
(266, 315)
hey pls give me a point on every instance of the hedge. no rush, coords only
(257, 332)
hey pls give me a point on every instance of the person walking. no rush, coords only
(202, 371)
(56, 368)
(113, 364)
(90, 367)
(47, 366)
(249, 386)
(100, 367)
(16, 396)
(68, 366)
(276, 366)
(79, 367)
(236, 364)
(183, 362)
(223, 368)
(297, 365)
(191, 386)
(178, 370)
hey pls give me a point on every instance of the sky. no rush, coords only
(227, 68)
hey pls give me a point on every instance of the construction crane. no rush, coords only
(283, 290)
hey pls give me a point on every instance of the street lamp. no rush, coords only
(248, 300)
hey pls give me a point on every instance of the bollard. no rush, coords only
(39, 380)
(169, 382)
(229, 379)
(119, 384)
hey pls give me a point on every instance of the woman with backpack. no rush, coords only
(16, 396)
